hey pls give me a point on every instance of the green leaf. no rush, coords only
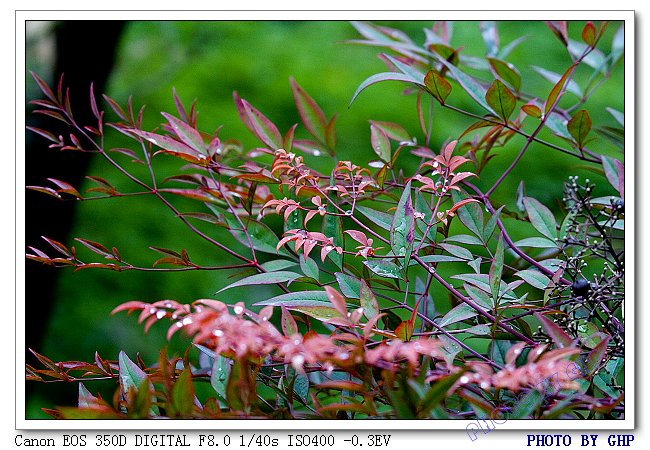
(219, 377)
(377, 217)
(469, 84)
(402, 228)
(458, 251)
(295, 298)
(299, 382)
(310, 113)
(490, 36)
(534, 278)
(595, 59)
(557, 125)
(437, 86)
(384, 268)
(611, 171)
(506, 71)
(491, 224)
(541, 217)
(617, 115)
(277, 264)
(536, 242)
(458, 313)
(501, 99)
(526, 404)
(182, 394)
(262, 237)
(618, 45)
(264, 278)
(498, 349)
(380, 143)
(392, 130)
(309, 267)
(464, 239)
(368, 301)
(313, 303)
(579, 127)
(471, 215)
(496, 270)
(475, 264)
(438, 259)
(333, 227)
(86, 399)
(131, 376)
(438, 392)
(350, 286)
(385, 76)
(479, 296)
(481, 281)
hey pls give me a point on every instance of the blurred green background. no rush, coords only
(210, 60)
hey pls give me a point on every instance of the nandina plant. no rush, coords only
(355, 330)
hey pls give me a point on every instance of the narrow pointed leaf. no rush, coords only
(470, 214)
(310, 113)
(384, 76)
(458, 313)
(557, 334)
(557, 91)
(186, 133)
(402, 228)
(131, 376)
(541, 217)
(263, 128)
(496, 270)
(264, 278)
(383, 268)
(534, 278)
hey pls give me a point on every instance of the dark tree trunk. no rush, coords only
(85, 53)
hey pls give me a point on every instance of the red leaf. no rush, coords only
(262, 127)
(559, 336)
(310, 113)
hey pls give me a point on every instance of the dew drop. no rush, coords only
(464, 379)
(187, 320)
(238, 309)
(218, 333)
(160, 314)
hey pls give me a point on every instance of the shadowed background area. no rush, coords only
(68, 314)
